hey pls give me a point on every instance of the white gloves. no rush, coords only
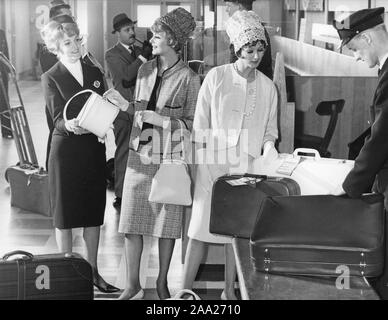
(117, 99)
(269, 152)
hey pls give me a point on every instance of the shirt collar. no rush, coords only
(129, 48)
(383, 60)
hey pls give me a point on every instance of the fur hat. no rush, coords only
(181, 23)
(245, 27)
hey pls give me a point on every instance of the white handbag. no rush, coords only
(172, 183)
(97, 114)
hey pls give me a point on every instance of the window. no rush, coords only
(222, 17)
(148, 13)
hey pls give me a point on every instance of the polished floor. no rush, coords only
(22, 230)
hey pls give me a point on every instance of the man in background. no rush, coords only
(124, 60)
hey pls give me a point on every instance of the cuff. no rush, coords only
(144, 60)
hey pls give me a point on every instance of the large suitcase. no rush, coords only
(320, 235)
(236, 200)
(45, 277)
(29, 189)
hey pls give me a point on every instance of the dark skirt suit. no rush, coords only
(77, 162)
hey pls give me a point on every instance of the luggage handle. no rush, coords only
(27, 255)
(307, 150)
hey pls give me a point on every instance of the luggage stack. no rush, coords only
(295, 227)
(28, 182)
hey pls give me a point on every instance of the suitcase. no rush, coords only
(315, 235)
(236, 200)
(315, 175)
(29, 189)
(45, 277)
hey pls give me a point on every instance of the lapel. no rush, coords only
(66, 77)
(124, 52)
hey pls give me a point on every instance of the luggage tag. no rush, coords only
(245, 181)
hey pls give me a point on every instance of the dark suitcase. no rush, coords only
(29, 189)
(45, 277)
(314, 235)
(234, 208)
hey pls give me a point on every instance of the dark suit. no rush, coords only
(47, 60)
(265, 65)
(123, 67)
(77, 162)
(5, 121)
(371, 165)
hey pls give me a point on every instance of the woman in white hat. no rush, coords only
(236, 116)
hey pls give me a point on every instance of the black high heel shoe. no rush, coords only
(102, 285)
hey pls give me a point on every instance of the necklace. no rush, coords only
(251, 95)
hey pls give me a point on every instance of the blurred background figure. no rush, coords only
(5, 121)
(124, 60)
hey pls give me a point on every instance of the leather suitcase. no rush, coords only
(314, 235)
(29, 189)
(45, 277)
(234, 208)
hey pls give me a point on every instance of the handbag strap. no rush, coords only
(165, 151)
(68, 102)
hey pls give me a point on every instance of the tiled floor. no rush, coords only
(34, 233)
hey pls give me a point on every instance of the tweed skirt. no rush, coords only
(138, 215)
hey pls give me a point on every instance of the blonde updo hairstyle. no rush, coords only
(54, 31)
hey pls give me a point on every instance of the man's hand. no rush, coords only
(338, 191)
(146, 51)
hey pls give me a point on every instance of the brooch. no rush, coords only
(97, 84)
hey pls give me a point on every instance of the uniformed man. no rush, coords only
(365, 34)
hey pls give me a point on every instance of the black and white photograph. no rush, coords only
(213, 151)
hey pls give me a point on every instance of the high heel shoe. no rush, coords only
(223, 296)
(138, 296)
(102, 285)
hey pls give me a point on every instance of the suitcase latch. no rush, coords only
(267, 260)
(362, 264)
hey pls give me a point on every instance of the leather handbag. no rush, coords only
(320, 235)
(172, 182)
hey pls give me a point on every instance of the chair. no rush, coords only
(321, 144)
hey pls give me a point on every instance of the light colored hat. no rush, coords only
(181, 23)
(245, 27)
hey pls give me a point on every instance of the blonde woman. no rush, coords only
(170, 88)
(77, 159)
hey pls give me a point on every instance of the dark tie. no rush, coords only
(133, 53)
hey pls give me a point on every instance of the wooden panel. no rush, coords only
(358, 95)
(286, 112)
(306, 60)
(347, 6)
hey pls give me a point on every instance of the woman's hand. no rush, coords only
(153, 118)
(269, 152)
(117, 99)
(73, 126)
